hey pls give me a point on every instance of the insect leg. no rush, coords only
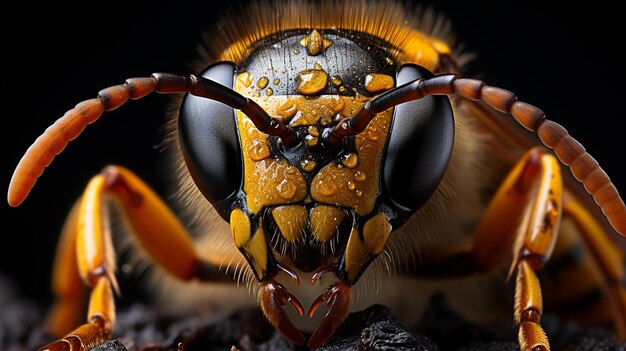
(159, 233)
(69, 290)
(609, 259)
(525, 214)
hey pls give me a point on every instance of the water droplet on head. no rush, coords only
(286, 189)
(376, 82)
(253, 133)
(311, 81)
(325, 120)
(351, 185)
(336, 80)
(327, 188)
(372, 136)
(350, 160)
(315, 43)
(258, 151)
(337, 104)
(359, 176)
(262, 82)
(308, 165)
(311, 140)
(287, 109)
(313, 131)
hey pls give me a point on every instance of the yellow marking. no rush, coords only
(267, 181)
(291, 221)
(240, 227)
(311, 81)
(358, 253)
(261, 177)
(325, 220)
(375, 82)
(375, 233)
(253, 246)
(257, 251)
(315, 43)
(362, 196)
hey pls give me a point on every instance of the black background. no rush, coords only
(568, 61)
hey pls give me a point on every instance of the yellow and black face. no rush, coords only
(307, 198)
(313, 206)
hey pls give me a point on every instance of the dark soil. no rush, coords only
(141, 329)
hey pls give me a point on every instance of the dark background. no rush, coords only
(568, 61)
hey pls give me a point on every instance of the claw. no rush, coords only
(290, 273)
(337, 299)
(273, 297)
(321, 271)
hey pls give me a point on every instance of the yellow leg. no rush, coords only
(608, 257)
(525, 214)
(69, 307)
(158, 232)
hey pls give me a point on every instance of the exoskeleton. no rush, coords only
(335, 138)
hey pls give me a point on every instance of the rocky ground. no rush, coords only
(141, 329)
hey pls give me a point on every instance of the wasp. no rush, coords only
(323, 146)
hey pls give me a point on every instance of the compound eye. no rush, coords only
(420, 145)
(208, 139)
